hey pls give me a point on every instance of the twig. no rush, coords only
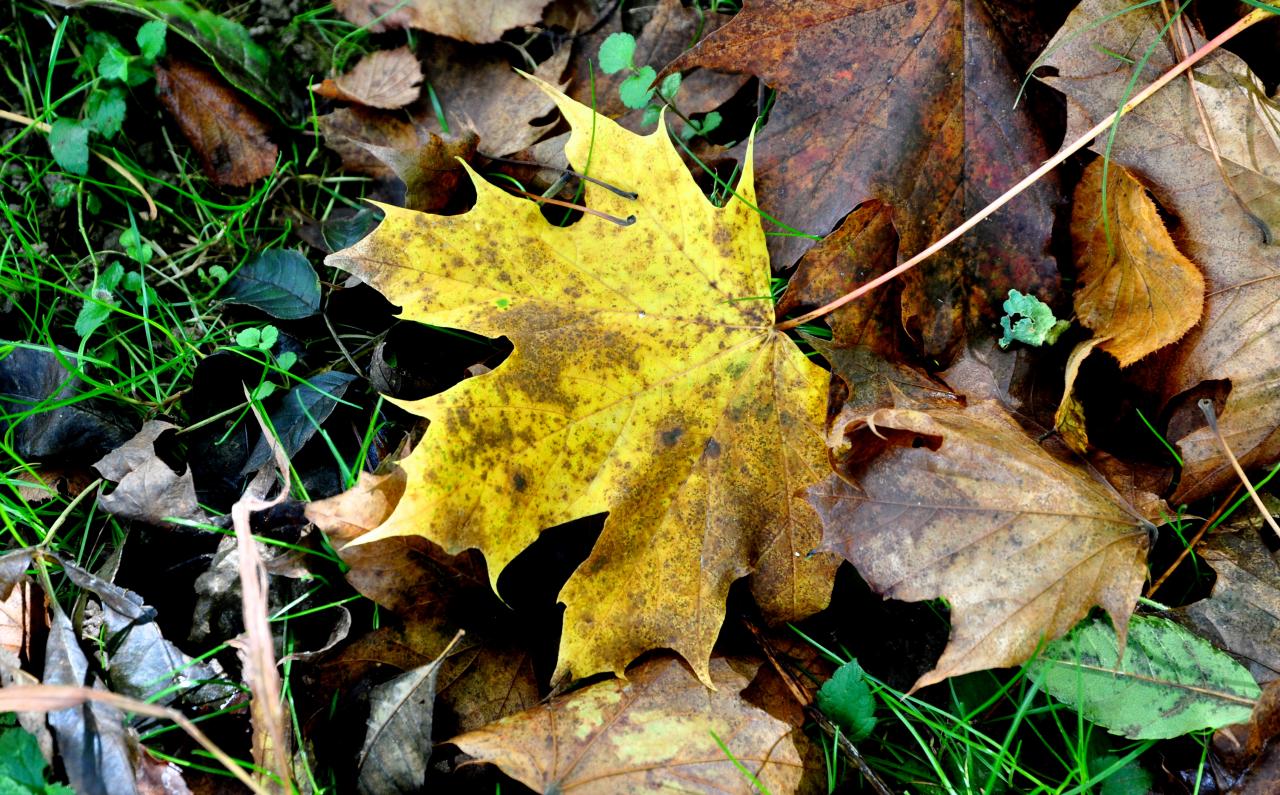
(628, 221)
(813, 713)
(151, 213)
(1206, 406)
(50, 698)
(1191, 545)
(1246, 22)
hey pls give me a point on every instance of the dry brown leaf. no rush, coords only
(15, 621)
(1069, 420)
(1242, 614)
(476, 21)
(912, 103)
(147, 489)
(385, 79)
(962, 504)
(1139, 293)
(229, 136)
(652, 731)
(1164, 142)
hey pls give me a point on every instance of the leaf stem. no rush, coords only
(1255, 16)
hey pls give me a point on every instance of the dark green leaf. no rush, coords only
(104, 112)
(300, 414)
(846, 699)
(280, 282)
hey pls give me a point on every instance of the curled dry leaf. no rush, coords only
(641, 384)
(229, 136)
(1247, 750)
(476, 21)
(1163, 141)
(1069, 419)
(962, 504)
(147, 489)
(385, 79)
(1139, 293)
(912, 103)
(652, 731)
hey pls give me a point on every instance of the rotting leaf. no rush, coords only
(1242, 614)
(385, 79)
(1139, 292)
(147, 489)
(647, 380)
(91, 737)
(912, 103)
(302, 411)
(1238, 339)
(476, 21)
(652, 731)
(280, 282)
(960, 503)
(229, 136)
(397, 744)
(80, 429)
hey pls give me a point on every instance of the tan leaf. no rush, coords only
(1068, 420)
(1139, 291)
(653, 731)
(962, 504)
(384, 79)
(229, 136)
(1238, 341)
(476, 21)
(147, 489)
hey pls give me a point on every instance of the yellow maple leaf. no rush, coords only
(646, 380)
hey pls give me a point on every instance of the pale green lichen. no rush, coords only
(1035, 324)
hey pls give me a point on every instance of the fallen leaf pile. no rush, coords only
(608, 473)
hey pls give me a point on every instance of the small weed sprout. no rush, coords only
(637, 91)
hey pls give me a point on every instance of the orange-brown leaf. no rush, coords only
(1139, 291)
(476, 21)
(653, 731)
(1238, 341)
(229, 136)
(386, 79)
(962, 504)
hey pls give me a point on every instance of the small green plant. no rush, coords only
(637, 91)
(115, 70)
(846, 699)
(22, 768)
(1035, 324)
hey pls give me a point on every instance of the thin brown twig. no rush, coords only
(1206, 406)
(1244, 23)
(841, 740)
(50, 698)
(1191, 545)
(628, 221)
(1181, 37)
(151, 212)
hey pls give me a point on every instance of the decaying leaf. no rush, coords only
(147, 489)
(1164, 143)
(477, 21)
(1069, 419)
(1242, 614)
(963, 504)
(912, 103)
(398, 742)
(653, 731)
(1248, 749)
(385, 79)
(647, 380)
(1139, 293)
(229, 136)
(477, 91)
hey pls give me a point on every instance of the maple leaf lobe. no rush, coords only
(646, 380)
